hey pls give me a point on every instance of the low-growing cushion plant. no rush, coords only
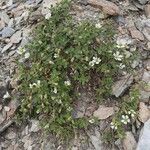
(63, 56)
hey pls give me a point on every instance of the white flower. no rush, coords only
(98, 61)
(68, 83)
(94, 61)
(55, 90)
(120, 46)
(56, 55)
(21, 50)
(125, 119)
(47, 16)
(113, 126)
(91, 121)
(59, 101)
(69, 108)
(86, 58)
(6, 96)
(117, 56)
(35, 84)
(31, 86)
(38, 83)
(132, 113)
(72, 59)
(51, 62)
(121, 66)
(91, 63)
(98, 25)
(27, 55)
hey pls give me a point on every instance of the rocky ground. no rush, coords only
(19, 17)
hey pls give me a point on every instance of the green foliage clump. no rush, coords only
(63, 57)
(126, 115)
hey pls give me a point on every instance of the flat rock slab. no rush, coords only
(144, 112)
(7, 32)
(136, 34)
(108, 7)
(16, 37)
(143, 1)
(147, 10)
(103, 112)
(120, 86)
(144, 139)
(9, 45)
(129, 142)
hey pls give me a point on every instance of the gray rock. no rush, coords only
(9, 45)
(135, 63)
(96, 140)
(146, 32)
(146, 76)
(143, 1)
(16, 37)
(103, 112)
(147, 10)
(27, 141)
(35, 126)
(10, 135)
(144, 139)
(144, 26)
(144, 112)
(2, 24)
(144, 95)
(7, 32)
(2, 117)
(38, 1)
(129, 142)
(4, 17)
(120, 86)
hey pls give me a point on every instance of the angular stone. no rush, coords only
(129, 142)
(35, 126)
(96, 139)
(7, 32)
(2, 116)
(9, 45)
(49, 3)
(146, 76)
(146, 32)
(147, 10)
(144, 138)
(10, 135)
(136, 34)
(16, 12)
(13, 105)
(148, 46)
(96, 142)
(108, 7)
(144, 95)
(120, 86)
(144, 112)
(2, 24)
(16, 37)
(35, 16)
(4, 17)
(143, 1)
(103, 112)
